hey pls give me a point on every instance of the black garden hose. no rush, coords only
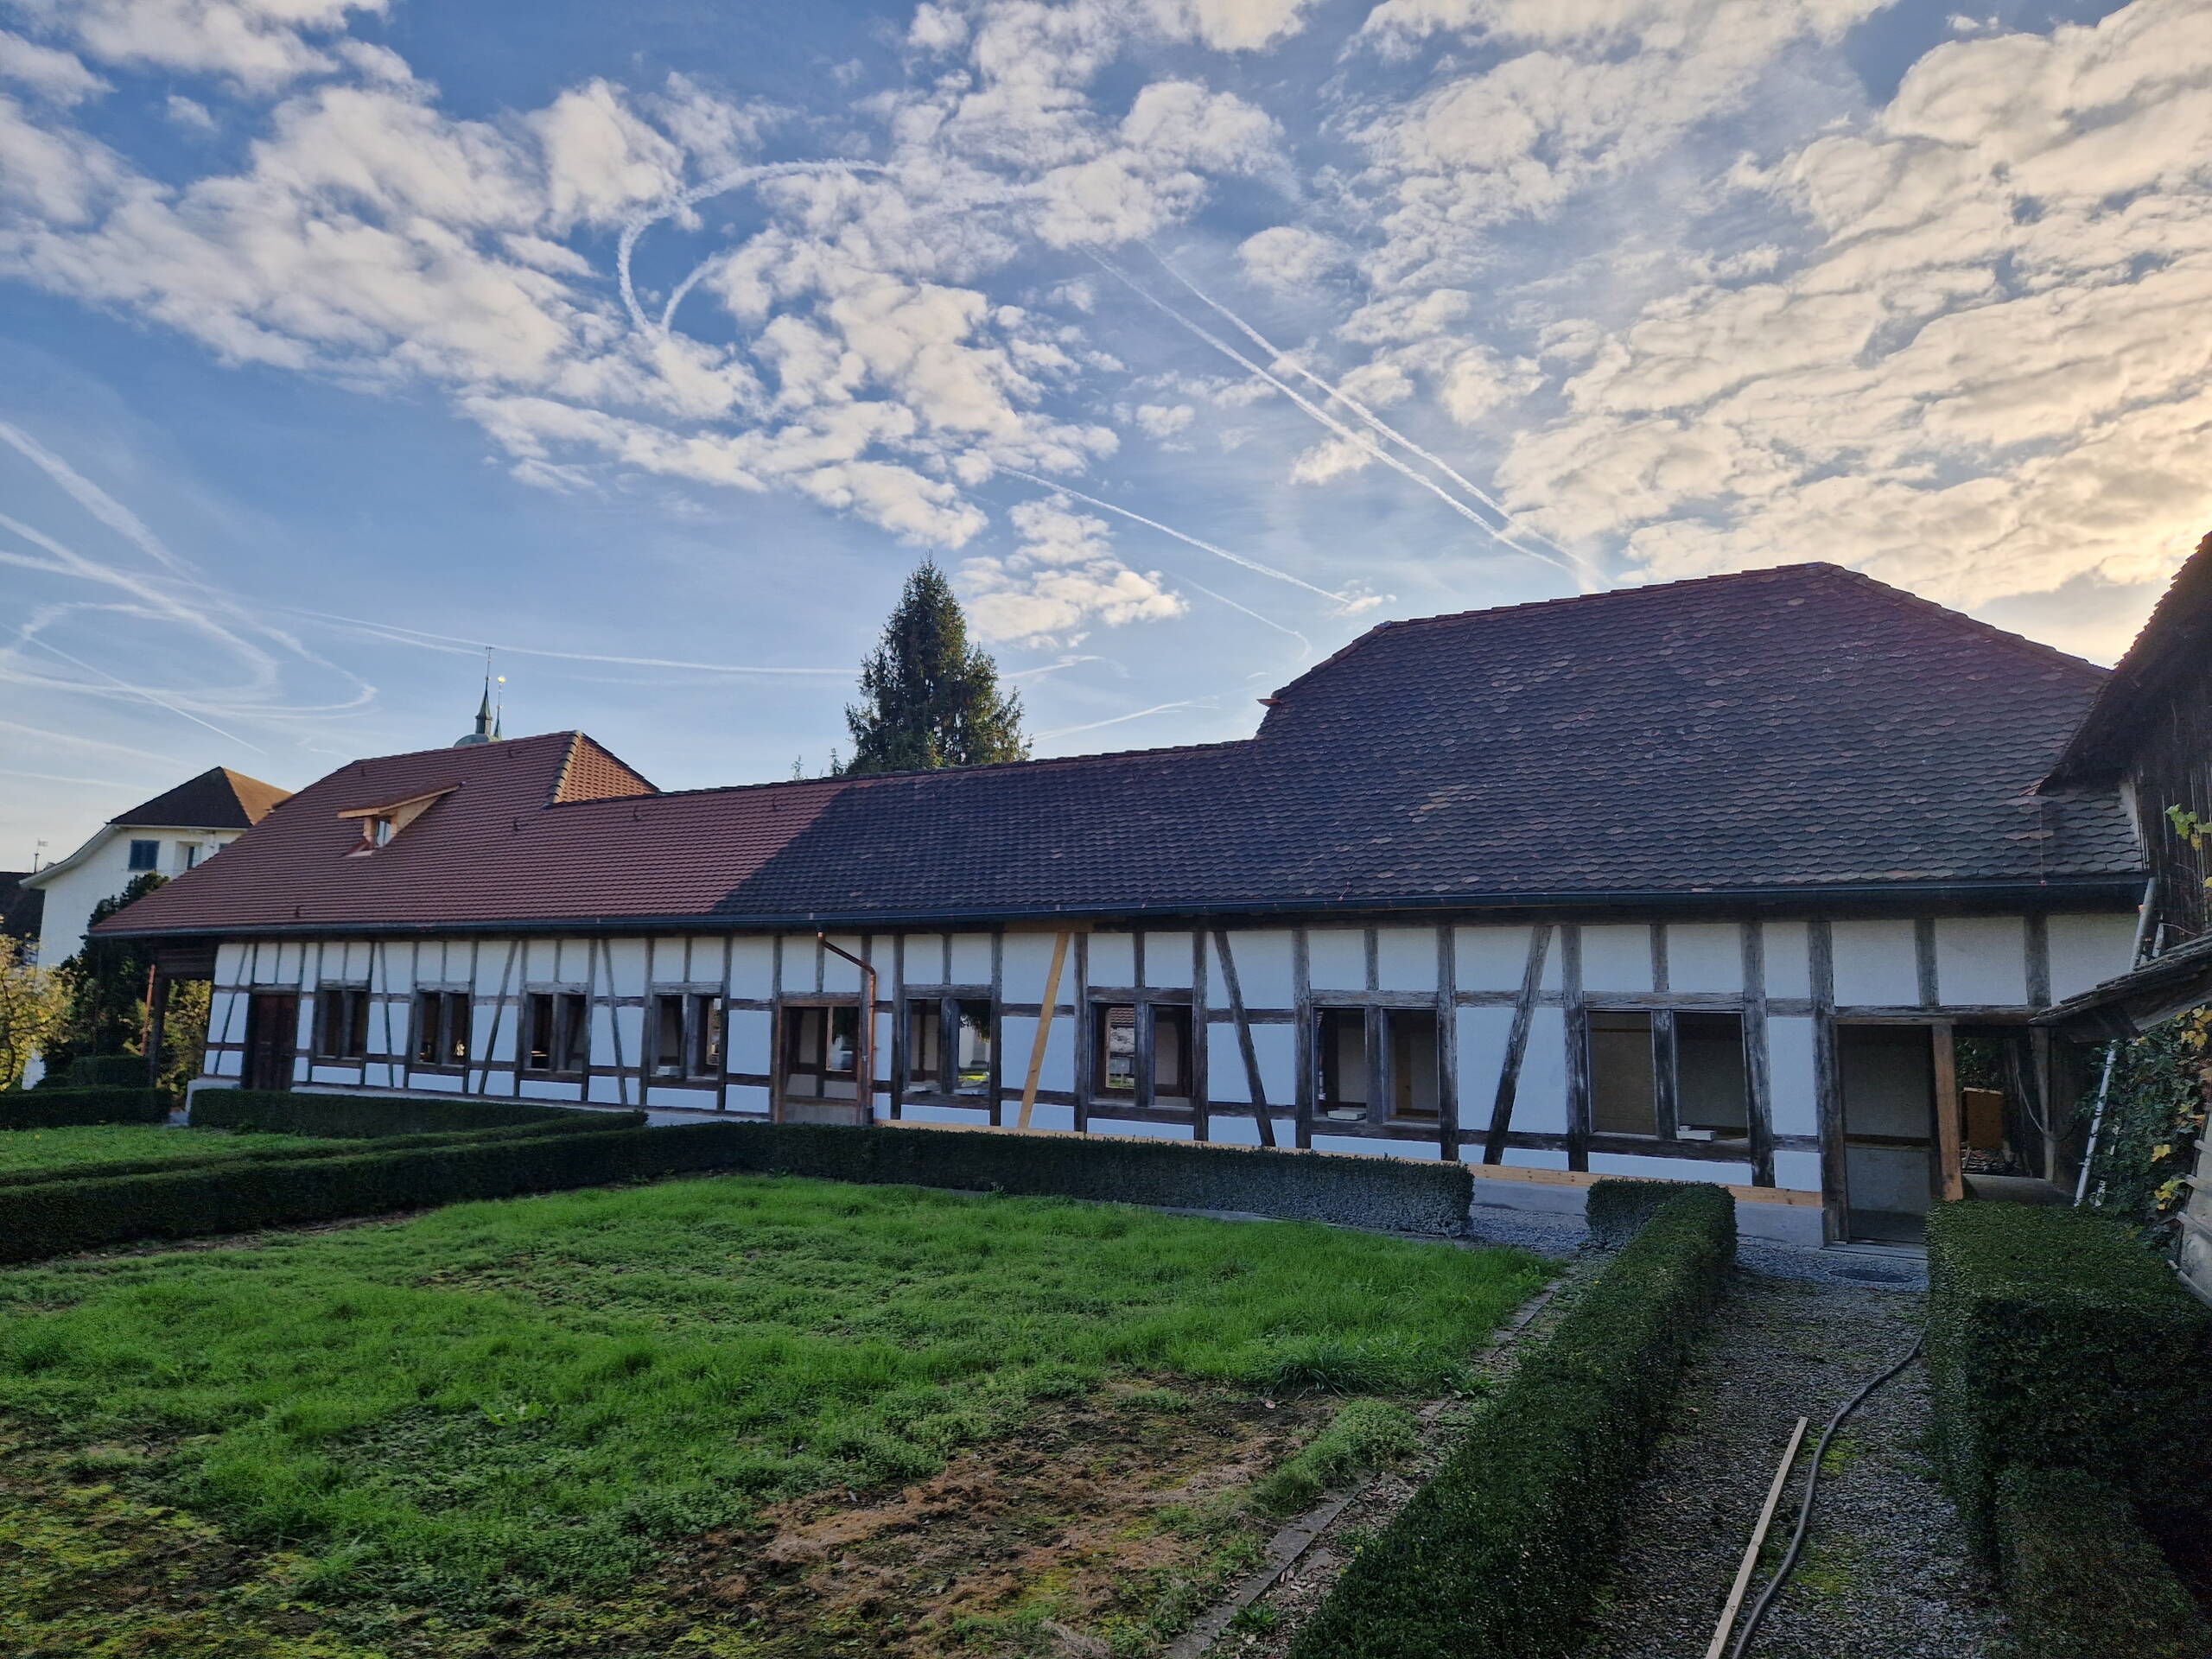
(1751, 1625)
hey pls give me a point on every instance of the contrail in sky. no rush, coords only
(456, 643)
(140, 691)
(1204, 547)
(1331, 422)
(1364, 413)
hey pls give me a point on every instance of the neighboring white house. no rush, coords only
(169, 835)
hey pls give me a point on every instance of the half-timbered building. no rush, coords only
(1717, 879)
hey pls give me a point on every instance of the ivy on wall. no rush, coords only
(2154, 1112)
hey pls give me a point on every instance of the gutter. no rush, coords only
(2058, 893)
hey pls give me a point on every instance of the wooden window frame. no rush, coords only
(1665, 1074)
(341, 1006)
(1376, 1013)
(568, 1045)
(702, 1039)
(778, 1059)
(942, 1003)
(434, 1025)
(1143, 1101)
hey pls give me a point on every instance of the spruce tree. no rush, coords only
(929, 699)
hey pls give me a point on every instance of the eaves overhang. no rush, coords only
(2055, 894)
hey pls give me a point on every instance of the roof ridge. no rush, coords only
(2005, 636)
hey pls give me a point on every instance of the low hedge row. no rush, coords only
(362, 1117)
(56, 1217)
(2071, 1380)
(66, 1109)
(1394, 1195)
(2081, 1578)
(2055, 1340)
(1499, 1556)
(1618, 1208)
(98, 1072)
(245, 1149)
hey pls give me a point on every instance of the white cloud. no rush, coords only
(1163, 421)
(260, 44)
(1231, 25)
(1289, 257)
(189, 113)
(56, 76)
(1063, 579)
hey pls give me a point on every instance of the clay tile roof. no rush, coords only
(1772, 732)
(218, 799)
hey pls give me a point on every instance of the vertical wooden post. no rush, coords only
(1828, 1086)
(157, 1010)
(1045, 1015)
(1950, 1180)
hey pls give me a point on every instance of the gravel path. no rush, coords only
(1884, 1574)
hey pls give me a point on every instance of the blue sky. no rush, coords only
(653, 344)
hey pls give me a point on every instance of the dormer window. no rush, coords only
(382, 825)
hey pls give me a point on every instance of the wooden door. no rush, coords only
(272, 1030)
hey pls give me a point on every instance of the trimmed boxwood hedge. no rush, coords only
(1617, 1208)
(363, 1117)
(246, 1149)
(1392, 1194)
(2082, 1580)
(1499, 1557)
(2055, 1340)
(66, 1109)
(54, 1217)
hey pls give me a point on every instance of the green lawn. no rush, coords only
(499, 1402)
(104, 1143)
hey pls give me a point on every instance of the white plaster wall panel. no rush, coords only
(1531, 1158)
(1793, 1089)
(539, 963)
(1025, 963)
(1228, 1129)
(546, 1089)
(629, 1037)
(1482, 1036)
(1540, 1102)
(1797, 1171)
(1405, 959)
(226, 1066)
(230, 963)
(1113, 959)
(1167, 960)
(574, 963)
(799, 972)
(750, 1098)
(1264, 969)
(1137, 1129)
(1981, 961)
(968, 1115)
(925, 959)
(1425, 1151)
(837, 974)
(289, 964)
(607, 1091)
(1489, 958)
(1670, 1169)
(2087, 950)
(748, 1035)
(1788, 951)
(971, 959)
(437, 1082)
(1276, 1047)
(1616, 957)
(1336, 958)
(752, 966)
(1018, 1033)
(333, 1074)
(1877, 964)
(1705, 956)
(622, 964)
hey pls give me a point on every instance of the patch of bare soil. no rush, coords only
(1095, 1530)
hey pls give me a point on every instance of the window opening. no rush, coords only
(1340, 1083)
(556, 1032)
(1412, 1036)
(668, 1036)
(1712, 1098)
(1624, 1079)
(950, 1044)
(145, 854)
(1170, 1056)
(820, 1047)
(706, 1044)
(342, 1023)
(442, 1021)
(1117, 1050)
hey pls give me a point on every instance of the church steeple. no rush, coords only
(487, 722)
